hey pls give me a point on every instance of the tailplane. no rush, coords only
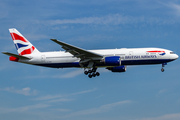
(22, 45)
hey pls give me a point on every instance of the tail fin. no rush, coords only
(22, 45)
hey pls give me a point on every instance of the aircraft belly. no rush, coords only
(55, 62)
(145, 62)
(60, 65)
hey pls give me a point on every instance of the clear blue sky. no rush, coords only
(141, 93)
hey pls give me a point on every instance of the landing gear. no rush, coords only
(92, 73)
(97, 73)
(85, 72)
(163, 65)
(90, 76)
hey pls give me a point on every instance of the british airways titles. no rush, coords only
(140, 56)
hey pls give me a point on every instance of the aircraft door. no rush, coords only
(43, 58)
(130, 52)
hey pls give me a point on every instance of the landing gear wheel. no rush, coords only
(90, 76)
(85, 72)
(91, 72)
(94, 75)
(97, 73)
(162, 69)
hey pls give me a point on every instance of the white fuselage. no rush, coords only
(114, 60)
(135, 56)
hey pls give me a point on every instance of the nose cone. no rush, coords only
(176, 56)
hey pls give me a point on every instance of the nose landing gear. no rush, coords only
(163, 65)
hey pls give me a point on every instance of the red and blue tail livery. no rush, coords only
(22, 45)
(114, 60)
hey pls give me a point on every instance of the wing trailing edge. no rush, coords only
(76, 51)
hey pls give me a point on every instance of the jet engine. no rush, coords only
(117, 69)
(112, 61)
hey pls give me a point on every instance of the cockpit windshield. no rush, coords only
(172, 53)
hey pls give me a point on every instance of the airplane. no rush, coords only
(114, 60)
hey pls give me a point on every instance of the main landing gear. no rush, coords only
(163, 65)
(91, 73)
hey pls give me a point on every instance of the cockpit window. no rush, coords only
(171, 52)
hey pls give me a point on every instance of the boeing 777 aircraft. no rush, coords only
(114, 60)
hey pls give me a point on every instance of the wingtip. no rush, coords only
(3, 52)
(53, 39)
(6, 53)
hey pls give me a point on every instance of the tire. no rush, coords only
(94, 75)
(97, 73)
(85, 72)
(90, 76)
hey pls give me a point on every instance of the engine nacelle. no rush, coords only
(112, 61)
(117, 69)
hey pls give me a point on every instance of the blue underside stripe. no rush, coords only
(125, 62)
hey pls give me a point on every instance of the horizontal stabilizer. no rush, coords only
(15, 55)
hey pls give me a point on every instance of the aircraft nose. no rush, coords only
(176, 56)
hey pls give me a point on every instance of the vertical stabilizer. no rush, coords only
(22, 45)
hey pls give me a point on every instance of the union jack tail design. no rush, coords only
(22, 45)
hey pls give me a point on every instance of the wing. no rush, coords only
(15, 55)
(78, 52)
